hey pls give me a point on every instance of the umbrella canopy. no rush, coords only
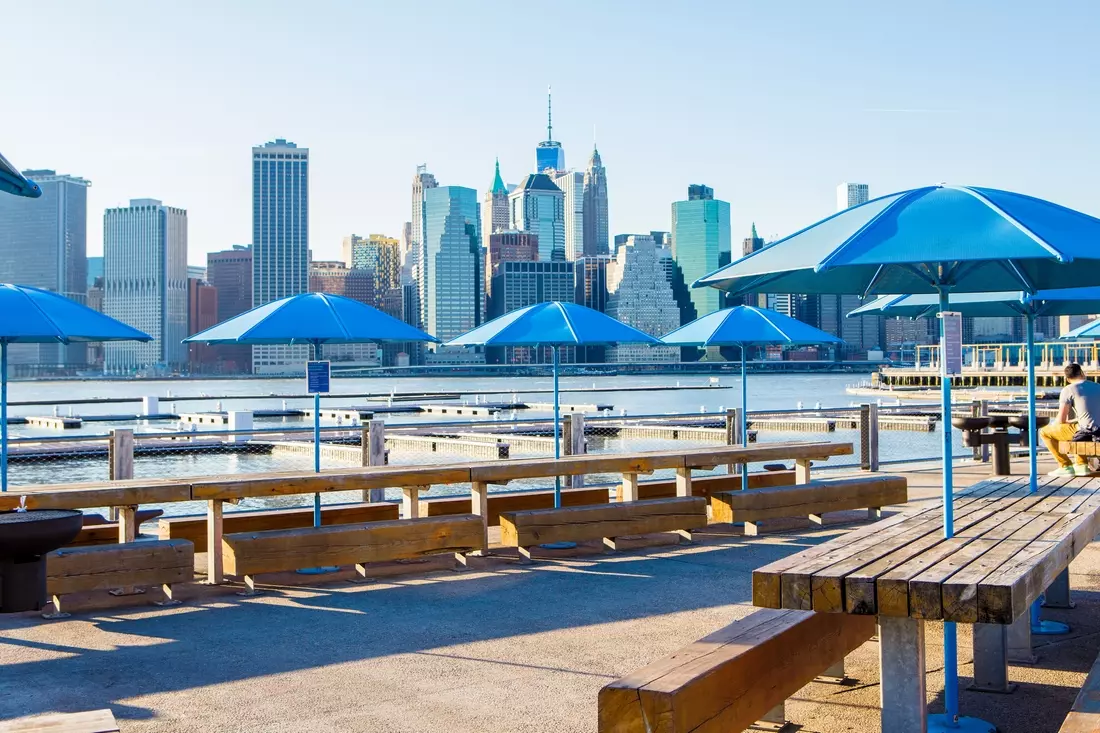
(745, 326)
(37, 316)
(311, 318)
(958, 238)
(1090, 330)
(553, 324)
(1058, 302)
(13, 182)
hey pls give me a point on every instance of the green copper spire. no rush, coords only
(754, 235)
(498, 182)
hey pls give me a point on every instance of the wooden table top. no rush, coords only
(1009, 545)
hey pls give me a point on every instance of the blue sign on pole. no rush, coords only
(317, 377)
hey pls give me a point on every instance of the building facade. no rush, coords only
(494, 208)
(507, 246)
(851, 194)
(640, 295)
(571, 184)
(380, 256)
(44, 243)
(280, 240)
(596, 231)
(537, 205)
(422, 181)
(230, 272)
(701, 243)
(145, 284)
(451, 263)
(202, 313)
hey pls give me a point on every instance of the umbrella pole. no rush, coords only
(557, 431)
(316, 441)
(744, 420)
(1031, 430)
(950, 640)
(3, 415)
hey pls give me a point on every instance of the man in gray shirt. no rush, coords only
(1082, 397)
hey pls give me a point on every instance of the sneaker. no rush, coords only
(1081, 469)
(1063, 471)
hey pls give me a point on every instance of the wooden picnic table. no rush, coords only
(1009, 545)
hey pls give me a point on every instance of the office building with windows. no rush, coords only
(537, 205)
(145, 285)
(595, 207)
(43, 242)
(640, 295)
(851, 194)
(280, 241)
(451, 263)
(571, 184)
(494, 208)
(701, 243)
(230, 272)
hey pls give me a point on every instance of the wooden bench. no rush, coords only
(193, 528)
(808, 500)
(247, 554)
(93, 721)
(127, 565)
(514, 501)
(577, 524)
(708, 485)
(1084, 716)
(738, 675)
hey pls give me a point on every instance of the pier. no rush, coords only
(54, 423)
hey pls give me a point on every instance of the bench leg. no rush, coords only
(214, 572)
(683, 482)
(525, 555)
(991, 659)
(609, 544)
(902, 660)
(250, 587)
(684, 536)
(169, 597)
(1019, 640)
(628, 490)
(410, 502)
(461, 562)
(816, 519)
(874, 512)
(775, 720)
(127, 532)
(802, 471)
(57, 612)
(752, 529)
(835, 675)
(1057, 594)
(479, 505)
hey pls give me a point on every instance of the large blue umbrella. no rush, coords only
(554, 324)
(746, 326)
(935, 239)
(315, 319)
(1090, 330)
(36, 316)
(13, 182)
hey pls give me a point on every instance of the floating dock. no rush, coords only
(54, 423)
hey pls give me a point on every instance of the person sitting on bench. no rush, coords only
(1083, 397)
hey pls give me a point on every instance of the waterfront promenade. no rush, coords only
(501, 647)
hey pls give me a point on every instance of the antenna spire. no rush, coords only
(549, 115)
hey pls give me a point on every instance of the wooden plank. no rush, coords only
(709, 485)
(78, 569)
(577, 524)
(348, 479)
(705, 457)
(1084, 716)
(96, 534)
(92, 721)
(121, 493)
(513, 501)
(291, 549)
(787, 583)
(861, 571)
(730, 679)
(816, 497)
(193, 528)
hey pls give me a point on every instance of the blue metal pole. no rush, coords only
(557, 431)
(744, 420)
(3, 415)
(1031, 431)
(950, 640)
(316, 442)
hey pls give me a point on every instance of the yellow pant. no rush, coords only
(1055, 432)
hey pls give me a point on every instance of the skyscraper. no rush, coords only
(571, 184)
(521, 284)
(380, 257)
(549, 156)
(701, 243)
(202, 313)
(494, 209)
(230, 272)
(422, 181)
(640, 295)
(851, 194)
(145, 284)
(750, 244)
(43, 242)
(280, 240)
(508, 246)
(537, 205)
(595, 206)
(451, 262)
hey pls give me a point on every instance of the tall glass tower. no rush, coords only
(549, 155)
(701, 242)
(451, 262)
(595, 206)
(43, 242)
(280, 240)
(537, 205)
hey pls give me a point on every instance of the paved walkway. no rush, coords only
(502, 648)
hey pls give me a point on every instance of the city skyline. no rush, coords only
(882, 123)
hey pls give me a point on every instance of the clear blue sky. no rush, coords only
(770, 103)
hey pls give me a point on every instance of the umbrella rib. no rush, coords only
(771, 323)
(826, 263)
(60, 336)
(874, 280)
(568, 322)
(335, 315)
(1016, 223)
(1015, 271)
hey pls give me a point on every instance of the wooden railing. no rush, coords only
(128, 495)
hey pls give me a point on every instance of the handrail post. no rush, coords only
(372, 443)
(120, 459)
(573, 444)
(868, 437)
(733, 435)
(983, 411)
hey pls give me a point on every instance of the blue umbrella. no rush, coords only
(554, 324)
(1090, 330)
(13, 182)
(36, 316)
(315, 319)
(935, 239)
(746, 326)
